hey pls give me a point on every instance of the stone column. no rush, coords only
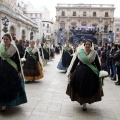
(18, 31)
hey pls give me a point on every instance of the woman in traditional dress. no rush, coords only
(12, 91)
(46, 51)
(57, 49)
(38, 45)
(85, 86)
(66, 57)
(33, 65)
(52, 52)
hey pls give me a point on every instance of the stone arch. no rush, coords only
(13, 32)
(31, 35)
(23, 34)
(106, 24)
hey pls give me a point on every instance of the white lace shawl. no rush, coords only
(10, 51)
(75, 55)
(91, 56)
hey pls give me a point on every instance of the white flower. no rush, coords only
(103, 73)
(23, 59)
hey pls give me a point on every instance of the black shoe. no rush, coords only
(27, 82)
(114, 78)
(117, 83)
(3, 110)
(84, 109)
(111, 76)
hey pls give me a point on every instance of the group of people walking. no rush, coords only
(20, 63)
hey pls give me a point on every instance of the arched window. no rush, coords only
(23, 34)
(13, 32)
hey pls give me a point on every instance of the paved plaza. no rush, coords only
(47, 100)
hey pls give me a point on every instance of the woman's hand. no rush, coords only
(69, 75)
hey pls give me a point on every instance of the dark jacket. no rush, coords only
(103, 58)
(112, 56)
(21, 50)
(117, 57)
(117, 61)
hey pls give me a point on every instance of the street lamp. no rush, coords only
(5, 22)
(43, 38)
(31, 34)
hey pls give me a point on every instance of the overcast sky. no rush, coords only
(50, 4)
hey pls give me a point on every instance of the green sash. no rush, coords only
(85, 59)
(7, 58)
(67, 50)
(46, 49)
(30, 52)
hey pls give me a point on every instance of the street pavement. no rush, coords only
(47, 100)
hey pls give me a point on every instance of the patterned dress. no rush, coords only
(32, 67)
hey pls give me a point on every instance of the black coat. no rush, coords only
(21, 50)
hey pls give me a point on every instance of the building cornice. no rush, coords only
(85, 8)
(47, 21)
(17, 15)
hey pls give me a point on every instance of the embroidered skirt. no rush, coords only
(84, 86)
(32, 77)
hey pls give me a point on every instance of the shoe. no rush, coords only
(110, 75)
(117, 83)
(114, 78)
(27, 82)
(84, 107)
(3, 109)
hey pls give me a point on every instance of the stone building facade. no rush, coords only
(36, 16)
(101, 16)
(48, 30)
(20, 26)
